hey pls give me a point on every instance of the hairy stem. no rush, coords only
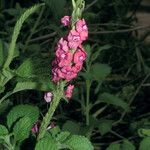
(58, 94)
(33, 29)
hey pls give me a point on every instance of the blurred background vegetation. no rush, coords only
(118, 63)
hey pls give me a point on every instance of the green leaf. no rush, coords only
(22, 129)
(5, 76)
(113, 147)
(47, 143)
(105, 126)
(144, 132)
(87, 47)
(145, 144)
(43, 86)
(26, 69)
(3, 130)
(5, 105)
(100, 71)
(62, 136)
(20, 111)
(79, 143)
(98, 51)
(16, 32)
(111, 99)
(55, 131)
(72, 127)
(1, 53)
(127, 145)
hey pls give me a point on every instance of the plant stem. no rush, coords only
(33, 29)
(88, 84)
(58, 94)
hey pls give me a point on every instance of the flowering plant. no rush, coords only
(23, 120)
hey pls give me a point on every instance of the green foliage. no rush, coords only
(105, 126)
(145, 144)
(78, 142)
(72, 127)
(127, 145)
(3, 130)
(116, 63)
(20, 111)
(111, 99)
(114, 147)
(100, 71)
(47, 143)
(26, 69)
(16, 32)
(22, 128)
(144, 132)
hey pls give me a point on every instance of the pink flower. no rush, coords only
(63, 44)
(48, 97)
(52, 125)
(69, 91)
(74, 39)
(63, 58)
(55, 76)
(69, 53)
(79, 56)
(35, 128)
(81, 27)
(66, 20)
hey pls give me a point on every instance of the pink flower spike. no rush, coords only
(48, 97)
(69, 91)
(66, 20)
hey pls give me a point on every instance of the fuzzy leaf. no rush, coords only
(26, 69)
(127, 145)
(72, 127)
(20, 111)
(47, 143)
(113, 147)
(100, 71)
(79, 143)
(105, 126)
(111, 99)
(62, 136)
(3, 130)
(22, 129)
(145, 144)
(16, 32)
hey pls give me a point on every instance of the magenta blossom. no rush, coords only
(69, 52)
(74, 39)
(35, 128)
(79, 56)
(69, 91)
(82, 29)
(48, 97)
(66, 20)
(63, 44)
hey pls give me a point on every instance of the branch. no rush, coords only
(121, 31)
(43, 37)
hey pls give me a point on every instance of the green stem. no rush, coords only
(33, 29)
(58, 94)
(8, 144)
(88, 85)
